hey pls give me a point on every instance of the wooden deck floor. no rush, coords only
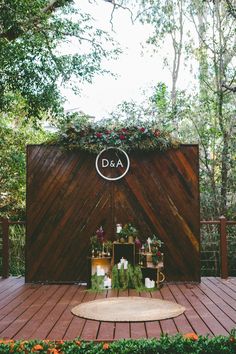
(43, 311)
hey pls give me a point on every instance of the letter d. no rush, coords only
(105, 162)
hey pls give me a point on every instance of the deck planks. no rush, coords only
(44, 311)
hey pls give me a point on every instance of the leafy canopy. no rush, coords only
(35, 54)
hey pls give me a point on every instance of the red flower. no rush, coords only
(107, 132)
(98, 135)
(124, 130)
(159, 254)
(157, 133)
(142, 130)
(122, 137)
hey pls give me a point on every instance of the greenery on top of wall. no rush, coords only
(79, 132)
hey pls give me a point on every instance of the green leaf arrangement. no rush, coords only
(93, 137)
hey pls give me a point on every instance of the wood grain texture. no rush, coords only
(67, 201)
(44, 311)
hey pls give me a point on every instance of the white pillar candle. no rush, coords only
(118, 228)
(152, 284)
(119, 265)
(107, 283)
(100, 271)
(149, 244)
(125, 264)
(147, 282)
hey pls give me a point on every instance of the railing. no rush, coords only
(222, 222)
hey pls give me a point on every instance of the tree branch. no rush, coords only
(231, 8)
(19, 28)
(229, 88)
(117, 5)
(54, 4)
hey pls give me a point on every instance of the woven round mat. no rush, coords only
(128, 309)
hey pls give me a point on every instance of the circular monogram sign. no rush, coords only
(112, 163)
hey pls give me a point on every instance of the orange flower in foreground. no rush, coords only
(37, 347)
(105, 346)
(191, 336)
(53, 351)
(78, 343)
(60, 341)
(22, 344)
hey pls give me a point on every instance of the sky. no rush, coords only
(136, 69)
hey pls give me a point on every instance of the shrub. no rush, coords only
(189, 343)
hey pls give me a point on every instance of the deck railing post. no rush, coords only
(5, 248)
(223, 247)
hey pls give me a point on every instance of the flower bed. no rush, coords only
(189, 343)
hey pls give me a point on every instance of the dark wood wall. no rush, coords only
(67, 201)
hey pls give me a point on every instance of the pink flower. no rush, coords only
(100, 234)
(124, 130)
(142, 130)
(122, 137)
(107, 132)
(98, 135)
(157, 133)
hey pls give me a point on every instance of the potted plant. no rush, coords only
(155, 249)
(97, 242)
(128, 233)
(108, 247)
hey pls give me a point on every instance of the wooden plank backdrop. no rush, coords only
(67, 201)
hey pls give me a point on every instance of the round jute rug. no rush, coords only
(128, 309)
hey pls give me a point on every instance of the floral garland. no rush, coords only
(96, 137)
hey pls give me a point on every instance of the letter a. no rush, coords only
(119, 163)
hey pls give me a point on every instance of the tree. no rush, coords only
(14, 136)
(213, 107)
(31, 33)
(216, 53)
(167, 19)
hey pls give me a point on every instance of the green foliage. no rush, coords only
(77, 132)
(97, 282)
(178, 344)
(127, 279)
(128, 230)
(33, 36)
(14, 136)
(17, 250)
(115, 278)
